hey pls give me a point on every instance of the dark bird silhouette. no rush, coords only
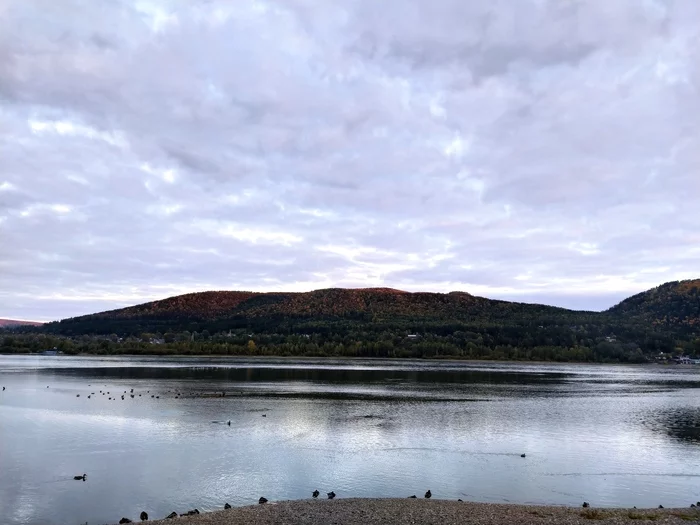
(88, 397)
(264, 415)
(229, 422)
(144, 516)
(412, 497)
(227, 506)
(77, 395)
(171, 516)
(459, 500)
(80, 478)
(315, 493)
(3, 388)
(522, 455)
(428, 494)
(262, 500)
(124, 520)
(331, 495)
(585, 505)
(661, 506)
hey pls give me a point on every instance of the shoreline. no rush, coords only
(419, 511)
(349, 358)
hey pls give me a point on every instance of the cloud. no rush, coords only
(543, 151)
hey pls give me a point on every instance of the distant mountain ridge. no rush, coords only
(14, 322)
(673, 303)
(383, 322)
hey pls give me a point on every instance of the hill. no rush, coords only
(674, 304)
(13, 322)
(216, 311)
(383, 322)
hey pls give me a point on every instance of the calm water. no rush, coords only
(613, 436)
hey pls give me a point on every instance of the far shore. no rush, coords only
(419, 511)
(348, 358)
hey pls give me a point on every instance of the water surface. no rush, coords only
(610, 435)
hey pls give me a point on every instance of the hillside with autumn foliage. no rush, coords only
(382, 322)
(229, 310)
(671, 305)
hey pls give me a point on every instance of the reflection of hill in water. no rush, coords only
(679, 423)
(315, 374)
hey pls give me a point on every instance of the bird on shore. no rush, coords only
(412, 497)
(428, 494)
(585, 505)
(144, 516)
(315, 493)
(124, 520)
(661, 506)
(227, 506)
(171, 516)
(331, 495)
(262, 500)
(80, 478)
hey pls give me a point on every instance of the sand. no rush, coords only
(424, 512)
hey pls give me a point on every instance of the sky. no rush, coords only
(533, 150)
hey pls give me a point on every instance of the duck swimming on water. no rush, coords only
(80, 478)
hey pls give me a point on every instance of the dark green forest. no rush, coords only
(380, 323)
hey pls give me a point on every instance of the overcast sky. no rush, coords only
(534, 150)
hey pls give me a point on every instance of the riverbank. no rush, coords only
(425, 512)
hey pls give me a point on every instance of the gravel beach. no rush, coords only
(424, 512)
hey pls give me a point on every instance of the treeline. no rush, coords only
(553, 342)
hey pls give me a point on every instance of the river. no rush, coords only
(610, 435)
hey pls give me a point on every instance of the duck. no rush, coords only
(80, 478)
(315, 493)
(144, 516)
(331, 495)
(522, 455)
(227, 506)
(428, 494)
(412, 497)
(262, 500)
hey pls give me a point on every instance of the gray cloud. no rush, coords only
(542, 151)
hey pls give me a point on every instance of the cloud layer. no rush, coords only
(539, 150)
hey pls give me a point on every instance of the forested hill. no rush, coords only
(675, 304)
(216, 311)
(382, 322)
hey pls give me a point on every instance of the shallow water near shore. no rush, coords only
(616, 436)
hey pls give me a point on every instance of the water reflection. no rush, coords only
(610, 435)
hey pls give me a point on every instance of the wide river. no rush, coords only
(609, 435)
